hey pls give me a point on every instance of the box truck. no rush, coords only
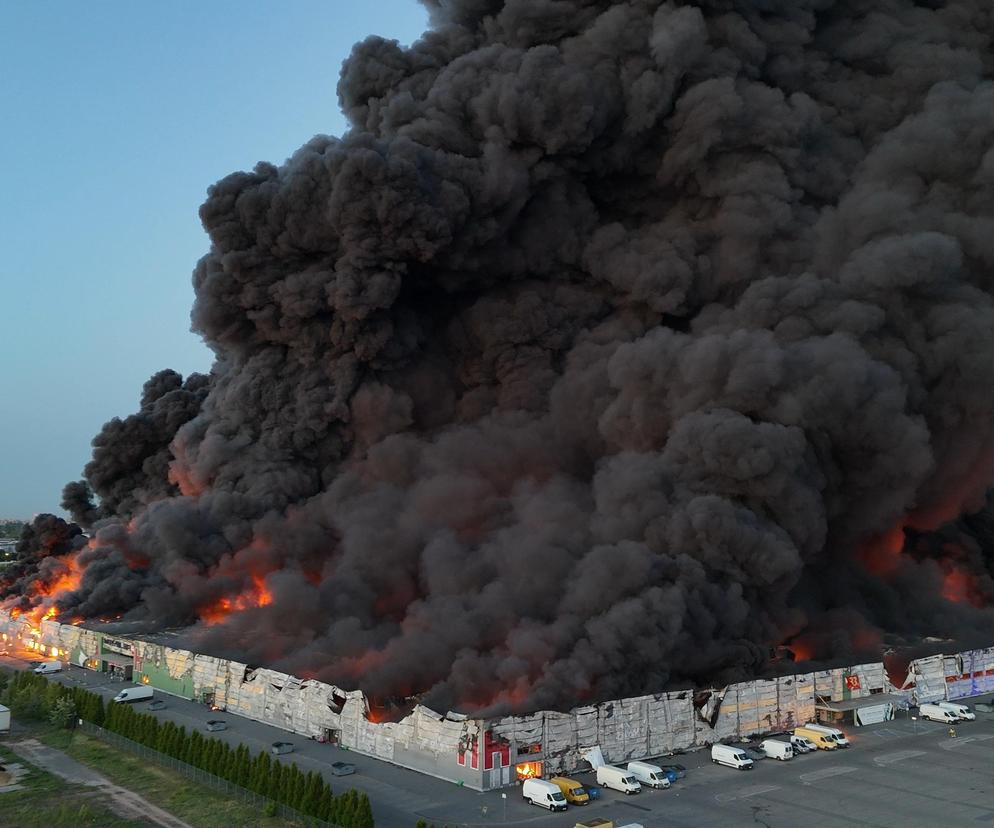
(833, 732)
(776, 749)
(651, 775)
(731, 757)
(541, 792)
(133, 694)
(574, 792)
(821, 740)
(48, 667)
(961, 710)
(618, 779)
(937, 713)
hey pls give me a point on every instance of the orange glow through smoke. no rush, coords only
(257, 595)
(881, 555)
(958, 587)
(46, 595)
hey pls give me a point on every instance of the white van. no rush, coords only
(961, 710)
(651, 775)
(730, 757)
(49, 667)
(776, 749)
(618, 779)
(937, 713)
(541, 792)
(831, 732)
(133, 694)
(802, 744)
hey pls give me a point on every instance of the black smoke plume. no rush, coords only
(606, 349)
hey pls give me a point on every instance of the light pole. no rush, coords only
(915, 720)
(503, 797)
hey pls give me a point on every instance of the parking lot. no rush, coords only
(898, 773)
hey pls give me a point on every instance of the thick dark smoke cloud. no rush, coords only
(595, 357)
(130, 465)
(41, 558)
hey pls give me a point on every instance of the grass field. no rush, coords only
(48, 802)
(196, 804)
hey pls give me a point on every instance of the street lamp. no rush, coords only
(915, 720)
(503, 796)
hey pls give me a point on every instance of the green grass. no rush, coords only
(47, 802)
(196, 804)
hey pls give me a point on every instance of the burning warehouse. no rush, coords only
(486, 752)
(613, 344)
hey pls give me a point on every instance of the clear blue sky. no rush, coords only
(116, 118)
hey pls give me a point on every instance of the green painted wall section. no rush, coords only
(159, 677)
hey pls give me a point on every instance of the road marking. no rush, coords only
(746, 792)
(899, 756)
(950, 743)
(814, 776)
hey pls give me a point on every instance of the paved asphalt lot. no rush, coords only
(898, 773)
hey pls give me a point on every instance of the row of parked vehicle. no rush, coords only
(947, 712)
(804, 739)
(560, 791)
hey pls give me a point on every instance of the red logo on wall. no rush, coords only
(852, 682)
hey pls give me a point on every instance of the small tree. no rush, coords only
(63, 713)
(363, 813)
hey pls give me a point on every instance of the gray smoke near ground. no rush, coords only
(592, 359)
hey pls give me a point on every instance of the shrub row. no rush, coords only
(33, 697)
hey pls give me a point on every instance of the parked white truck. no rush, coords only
(776, 749)
(543, 793)
(937, 713)
(48, 667)
(618, 779)
(133, 694)
(650, 775)
(960, 710)
(731, 757)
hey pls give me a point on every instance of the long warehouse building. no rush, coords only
(489, 753)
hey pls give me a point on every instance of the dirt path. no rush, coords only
(124, 802)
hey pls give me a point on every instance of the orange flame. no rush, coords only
(257, 595)
(528, 770)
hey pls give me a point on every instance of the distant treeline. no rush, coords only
(11, 529)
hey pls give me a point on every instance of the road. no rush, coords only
(122, 801)
(898, 773)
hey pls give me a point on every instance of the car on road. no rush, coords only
(279, 748)
(214, 725)
(158, 704)
(342, 768)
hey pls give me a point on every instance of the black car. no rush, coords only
(342, 768)
(675, 770)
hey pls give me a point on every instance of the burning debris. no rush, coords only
(605, 351)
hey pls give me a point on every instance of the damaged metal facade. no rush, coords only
(483, 753)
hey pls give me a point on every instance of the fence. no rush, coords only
(201, 776)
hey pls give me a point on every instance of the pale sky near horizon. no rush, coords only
(116, 118)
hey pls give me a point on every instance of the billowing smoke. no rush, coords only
(612, 344)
